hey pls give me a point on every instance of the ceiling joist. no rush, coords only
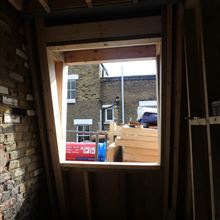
(89, 3)
(110, 54)
(18, 4)
(45, 4)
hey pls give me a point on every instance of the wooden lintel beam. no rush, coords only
(135, 28)
(45, 4)
(89, 3)
(18, 4)
(101, 55)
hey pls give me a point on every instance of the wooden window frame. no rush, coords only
(139, 37)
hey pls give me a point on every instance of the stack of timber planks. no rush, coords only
(139, 144)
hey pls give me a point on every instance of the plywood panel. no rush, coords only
(75, 194)
(108, 197)
(144, 196)
(201, 173)
(116, 195)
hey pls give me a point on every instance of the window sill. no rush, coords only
(71, 101)
(110, 165)
(107, 122)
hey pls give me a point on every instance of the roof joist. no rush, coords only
(89, 3)
(45, 5)
(18, 4)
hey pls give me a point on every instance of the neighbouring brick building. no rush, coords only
(22, 180)
(94, 93)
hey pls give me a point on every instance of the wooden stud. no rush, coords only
(122, 184)
(44, 3)
(177, 105)
(189, 127)
(89, 3)
(201, 41)
(52, 123)
(59, 79)
(18, 4)
(198, 153)
(87, 195)
(144, 27)
(166, 94)
(102, 55)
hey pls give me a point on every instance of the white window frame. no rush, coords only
(82, 135)
(82, 122)
(113, 116)
(71, 77)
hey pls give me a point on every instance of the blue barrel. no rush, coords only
(102, 152)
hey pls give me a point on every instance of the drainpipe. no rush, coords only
(100, 121)
(122, 97)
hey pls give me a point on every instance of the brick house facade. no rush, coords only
(94, 92)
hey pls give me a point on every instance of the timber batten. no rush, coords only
(50, 117)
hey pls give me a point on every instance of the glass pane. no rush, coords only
(69, 85)
(73, 94)
(109, 114)
(80, 127)
(68, 95)
(86, 127)
(86, 138)
(80, 138)
(73, 84)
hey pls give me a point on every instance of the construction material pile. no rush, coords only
(138, 144)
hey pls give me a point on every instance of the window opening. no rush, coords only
(100, 97)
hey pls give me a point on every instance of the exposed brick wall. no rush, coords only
(22, 185)
(92, 92)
